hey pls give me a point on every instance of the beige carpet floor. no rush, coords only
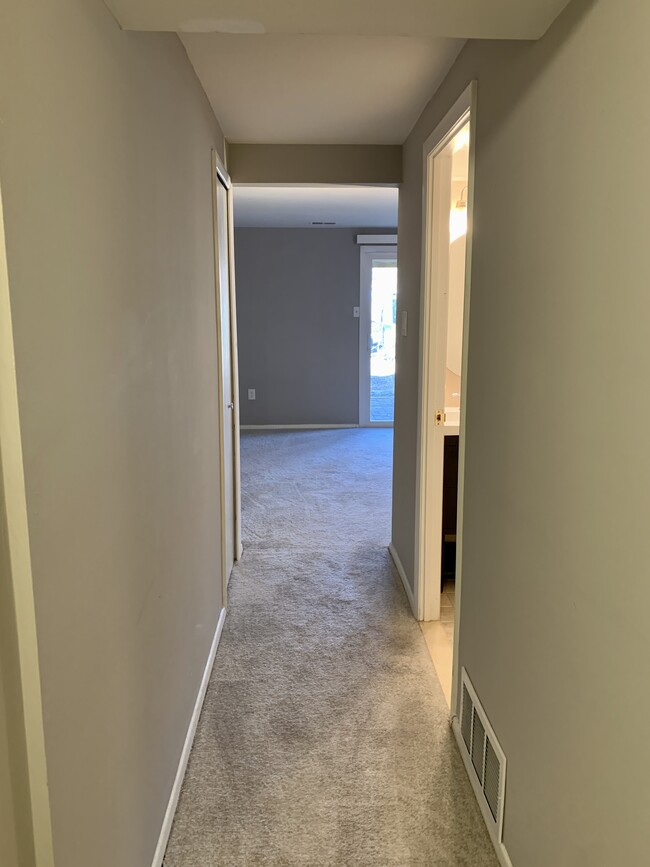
(324, 739)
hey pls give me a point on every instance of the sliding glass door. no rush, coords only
(378, 331)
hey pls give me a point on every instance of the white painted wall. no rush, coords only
(105, 148)
(555, 593)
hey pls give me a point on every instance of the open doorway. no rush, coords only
(377, 335)
(448, 160)
(308, 327)
(301, 319)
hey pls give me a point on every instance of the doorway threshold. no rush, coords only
(439, 638)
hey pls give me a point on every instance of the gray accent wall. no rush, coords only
(298, 338)
(555, 593)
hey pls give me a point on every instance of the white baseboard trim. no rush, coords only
(187, 746)
(499, 847)
(402, 574)
(298, 426)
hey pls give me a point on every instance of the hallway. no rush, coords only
(324, 737)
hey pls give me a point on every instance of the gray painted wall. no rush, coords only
(298, 339)
(555, 591)
(105, 147)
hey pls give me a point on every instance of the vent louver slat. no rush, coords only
(478, 746)
(467, 712)
(491, 779)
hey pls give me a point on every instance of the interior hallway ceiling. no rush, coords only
(339, 72)
(314, 89)
(465, 19)
(292, 207)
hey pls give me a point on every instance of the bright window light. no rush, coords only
(462, 139)
(457, 224)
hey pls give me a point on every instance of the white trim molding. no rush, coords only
(34, 804)
(228, 404)
(234, 348)
(299, 426)
(168, 821)
(430, 439)
(402, 574)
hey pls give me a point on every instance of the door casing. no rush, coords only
(430, 445)
(20, 670)
(228, 417)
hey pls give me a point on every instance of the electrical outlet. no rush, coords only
(251, 394)
(356, 312)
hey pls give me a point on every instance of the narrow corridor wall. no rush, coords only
(105, 149)
(554, 589)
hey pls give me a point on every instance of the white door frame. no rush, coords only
(235, 374)
(368, 254)
(430, 448)
(30, 790)
(220, 176)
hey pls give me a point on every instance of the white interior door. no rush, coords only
(377, 335)
(228, 399)
(445, 294)
(435, 421)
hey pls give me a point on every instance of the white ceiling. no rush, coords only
(464, 19)
(297, 207)
(328, 71)
(276, 89)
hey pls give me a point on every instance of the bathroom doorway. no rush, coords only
(447, 251)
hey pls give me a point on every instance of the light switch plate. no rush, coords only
(405, 323)
(251, 394)
(356, 312)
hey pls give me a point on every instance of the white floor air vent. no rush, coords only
(485, 760)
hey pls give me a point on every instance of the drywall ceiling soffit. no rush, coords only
(275, 89)
(311, 165)
(463, 19)
(299, 207)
